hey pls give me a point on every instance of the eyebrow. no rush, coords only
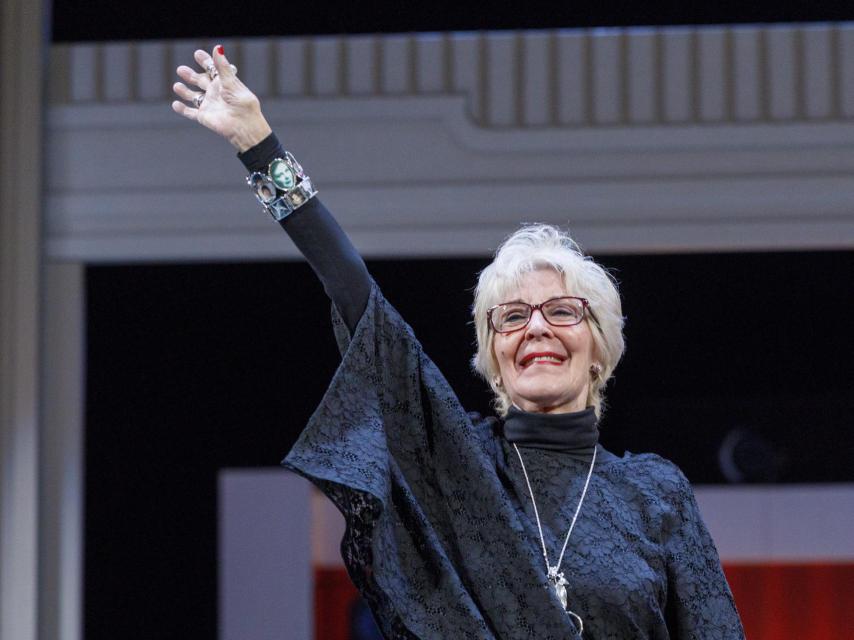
(566, 295)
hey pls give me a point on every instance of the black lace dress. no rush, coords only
(441, 538)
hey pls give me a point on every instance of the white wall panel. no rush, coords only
(642, 76)
(747, 76)
(817, 71)
(84, 67)
(466, 70)
(845, 78)
(606, 68)
(361, 76)
(256, 66)
(118, 72)
(783, 67)
(265, 573)
(713, 86)
(574, 88)
(430, 63)
(152, 61)
(501, 79)
(396, 67)
(291, 75)
(748, 523)
(677, 75)
(326, 66)
(536, 79)
(783, 523)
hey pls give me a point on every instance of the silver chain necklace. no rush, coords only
(556, 577)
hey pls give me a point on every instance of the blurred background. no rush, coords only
(163, 343)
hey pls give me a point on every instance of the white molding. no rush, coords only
(265, 577)
(781, 523)
(647, 139)
(414, 176)
(21, 94)
(62, 457)
(587, 77)
(749, 524)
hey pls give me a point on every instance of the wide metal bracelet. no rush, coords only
(288, 202)
(283, 189)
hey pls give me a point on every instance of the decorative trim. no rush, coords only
(430, 182)
(619, 77)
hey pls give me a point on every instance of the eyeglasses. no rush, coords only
(558, 312)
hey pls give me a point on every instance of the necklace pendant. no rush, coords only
(559, 585)
(560, 590)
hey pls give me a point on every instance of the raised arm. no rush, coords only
(222, 103)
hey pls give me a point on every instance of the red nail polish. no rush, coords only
(220, 50)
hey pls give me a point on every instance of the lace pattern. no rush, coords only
(440, 535)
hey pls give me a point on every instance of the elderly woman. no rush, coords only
(457, 527)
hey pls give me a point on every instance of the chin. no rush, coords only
(542, 405)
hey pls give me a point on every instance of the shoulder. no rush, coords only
(487, 431)
(487, 428)
(654, 464)
(652, 475)
(658, 490)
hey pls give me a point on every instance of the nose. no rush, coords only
(537, 325)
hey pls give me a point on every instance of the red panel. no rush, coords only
(776, 601)
(333, 598)
(806, 601)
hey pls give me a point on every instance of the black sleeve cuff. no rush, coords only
(258, 158)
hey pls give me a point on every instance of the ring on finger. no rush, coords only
(213, 73)
(198, 99)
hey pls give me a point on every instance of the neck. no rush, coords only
(576, 431)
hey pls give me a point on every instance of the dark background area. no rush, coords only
(196, 367)
(192, 368)
(75, 20)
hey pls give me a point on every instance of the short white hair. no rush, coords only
(543, 246)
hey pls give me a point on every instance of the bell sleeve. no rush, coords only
(700, 605)
(383, 445)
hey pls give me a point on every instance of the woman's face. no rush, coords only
(545, 368)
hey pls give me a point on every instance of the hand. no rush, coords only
(228, 107)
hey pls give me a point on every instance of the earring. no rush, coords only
(595, 369)
(496, 381)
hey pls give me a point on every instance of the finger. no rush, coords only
(200, 80)
(223, 66)
(207, 63)
(203, 58)
(184, 92)
(184, 110)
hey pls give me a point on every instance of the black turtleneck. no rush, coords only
(576, 432)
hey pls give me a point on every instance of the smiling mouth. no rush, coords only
(541, 358)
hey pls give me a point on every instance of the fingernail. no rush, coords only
(220, 50)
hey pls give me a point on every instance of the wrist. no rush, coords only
(282, 187)
(250, 132)
(259, 157)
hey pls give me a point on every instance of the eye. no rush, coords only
(514, 315)
(564, 310)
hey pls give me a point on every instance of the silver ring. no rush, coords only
(198, 99)
(213, 73)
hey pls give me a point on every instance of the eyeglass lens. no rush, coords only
(559, 312)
